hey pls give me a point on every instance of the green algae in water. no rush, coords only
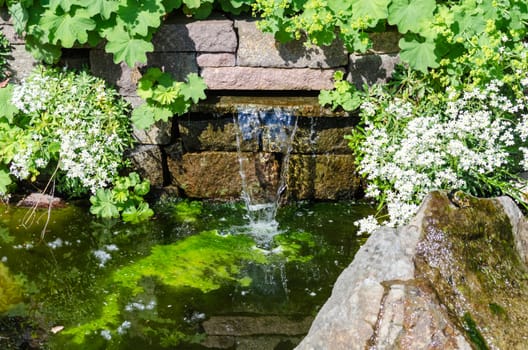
(10, 290)
(167, 276)
(187, 211)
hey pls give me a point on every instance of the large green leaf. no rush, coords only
(419, 54)
(125, 48)
(138, 16)
(19, 16)
(5, 181)
(146, 115)
(194, 89)
(67, 28)
(103, 205)
(373, 9)
(7, 109)
(105, 8)
(411, 15)
(64, 4)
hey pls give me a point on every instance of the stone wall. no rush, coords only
(196, 154)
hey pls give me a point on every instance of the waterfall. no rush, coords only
(264, 144)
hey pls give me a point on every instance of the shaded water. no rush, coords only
(192, 278)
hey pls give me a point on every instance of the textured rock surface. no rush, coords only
(148, 160)
(252, 43)
(217, 174)
(371, 69)
(258, 78)
(451, 279)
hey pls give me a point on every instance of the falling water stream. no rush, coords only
(272, 131)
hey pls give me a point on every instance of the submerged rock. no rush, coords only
(41, 200)
(454, 278)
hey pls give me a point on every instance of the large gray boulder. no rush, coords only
(454, 278)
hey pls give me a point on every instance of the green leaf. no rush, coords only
(194, 89)
(136, 215)
(67, 29)
(326, 98)
(410, 15)
(171, 5)
(371, 9)
(192, 4)
(7, 109)
(5, 181)
(166, 95)
(103, 205)
(125, 48)
(138, 15)
(418, 54)
(143, 188)
(64, 4)
(20, 16)
(146, 115)
(105, 8)
(43, 51)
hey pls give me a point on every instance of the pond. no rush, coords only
(195, 277)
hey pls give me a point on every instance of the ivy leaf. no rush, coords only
(138, 16)
(103, 204)
(105, 8)
(409, 15)
(125, 48)
(194, 89)
(374, 10)
(7, 109)
(419, 54)
(67, 28)
(5, 181)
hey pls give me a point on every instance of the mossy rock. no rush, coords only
(467, 253)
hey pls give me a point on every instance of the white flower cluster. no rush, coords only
(471, 136)
(75, 116)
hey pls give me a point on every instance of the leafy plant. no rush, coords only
(343, 95)
(125, 27)
(165, 97)
(69, 127)
(434, 33)
(124, 199)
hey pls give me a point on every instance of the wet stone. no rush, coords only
(258, 325)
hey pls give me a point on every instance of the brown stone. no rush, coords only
(217, 174)
(126, 78)
(252, 43)
(323, 135)
(218, 134)
(385, 42)
(41, 200)
(371, 69)
(22, 63)
(257, 325)
(216, 60)
(323, 177)
(183, 35)
(256, 78)
(147, 161)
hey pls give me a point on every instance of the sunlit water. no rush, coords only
(69, 278)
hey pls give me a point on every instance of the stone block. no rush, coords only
(253, 43)
(126, 78)
(215, 134)
(216, 60)
(258, 78)
(371, 69)
(326, 177)
(216, 175)
(216, 35)
(178, 64)
(256, 325)
(316, 135)
(147, 160)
